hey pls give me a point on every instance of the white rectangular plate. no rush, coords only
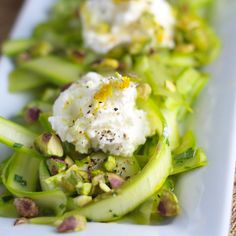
(205, 194)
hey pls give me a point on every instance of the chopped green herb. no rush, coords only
(17, 145)
(185, 155)
(19, 179)
(7, 198)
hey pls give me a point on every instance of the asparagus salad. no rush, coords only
(105, 136)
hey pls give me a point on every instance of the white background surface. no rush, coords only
(205, 194)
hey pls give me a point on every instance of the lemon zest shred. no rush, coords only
(104, 93)
(107, 89)
(124, 83)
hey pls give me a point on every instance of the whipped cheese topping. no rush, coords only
(108, 23)
(99, 113)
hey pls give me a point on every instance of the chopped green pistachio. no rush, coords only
(21, 221)
(168, 205)
(110, 164)
(84, 163)
(115, 180)
(66, 181)
(26, 207)
(98, 179)
(56, 166)
(82, 200)
(79, 185)
(104, 187)
(49, 145)
(84, 175)
(97, 172)
(72, 224)
(97, 160)
(106, 64)
(69, 161)
(93, 163)
(71, 179)
(67, 186)
(32, 114)
(84, 188)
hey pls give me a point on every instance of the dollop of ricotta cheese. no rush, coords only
(100, 113)
(108, 23)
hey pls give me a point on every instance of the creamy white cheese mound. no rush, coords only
(108, 23)
(99, 113)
